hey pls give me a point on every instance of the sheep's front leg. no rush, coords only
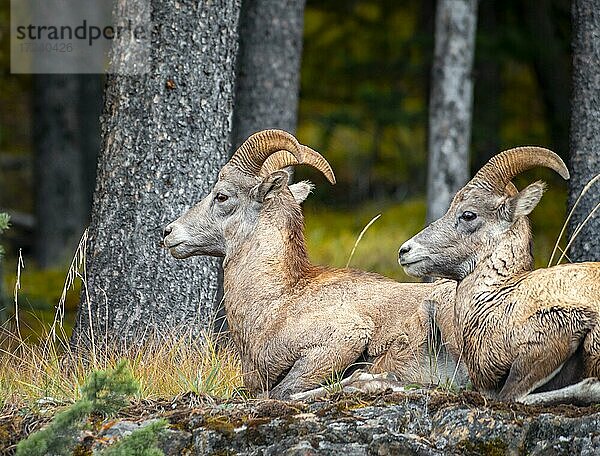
(586, 392)
(310, 370)
(544, 343)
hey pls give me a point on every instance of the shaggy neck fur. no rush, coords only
(270, 264)
(498, 268)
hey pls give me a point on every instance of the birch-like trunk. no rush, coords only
(450, 104)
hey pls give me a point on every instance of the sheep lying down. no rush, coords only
(525, 335)
(296, 324)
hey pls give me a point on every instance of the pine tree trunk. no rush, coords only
(166, 134)
(91, 87)
(451, 102)
(585, 128)
(66, 142)
(268, 70)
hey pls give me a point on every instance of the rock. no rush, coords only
(419, 423)
(412, 426)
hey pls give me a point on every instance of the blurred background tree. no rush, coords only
(450, 103)
(66, 110)
(268, 67)
(364, 92)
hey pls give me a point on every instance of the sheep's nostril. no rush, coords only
(168, 230)
(403, 250)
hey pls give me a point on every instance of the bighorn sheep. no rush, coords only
(521, 331)
(293, 323)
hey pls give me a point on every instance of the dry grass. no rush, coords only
(164, 368)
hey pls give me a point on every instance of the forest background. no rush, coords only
(363, 105)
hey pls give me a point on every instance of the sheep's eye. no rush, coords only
(221, 198)
(468, 216)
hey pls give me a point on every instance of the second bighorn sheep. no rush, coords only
(294, 323)
(521, 331)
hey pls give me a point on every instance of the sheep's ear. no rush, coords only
(270, 186)
(525, 201)
(301, 190)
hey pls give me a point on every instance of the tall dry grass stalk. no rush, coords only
(578, 229)
(359, 238)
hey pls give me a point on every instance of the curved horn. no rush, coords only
(501, 169)
(310, 157)
(253, 152)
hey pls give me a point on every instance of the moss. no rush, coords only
(221, 423)
(82, 450)
(5, 433)
(494, 447)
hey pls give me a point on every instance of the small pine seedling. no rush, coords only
(141, 442)
(104, 392)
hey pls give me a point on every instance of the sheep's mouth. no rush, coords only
(180, 250)
(171, 246)
(183, 250)
(416, 266)
(411, 262)
(179, 254)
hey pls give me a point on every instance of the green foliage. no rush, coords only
(108, 390)
(104, 392)
(141, 442)
(58, 437)
(4, 223)
(331, 233)
(40, 291)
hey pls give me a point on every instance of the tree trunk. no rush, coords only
(166, 134)
(268, 70)
(66, 125)
(60, 205)
(585, 128)
(450, 103)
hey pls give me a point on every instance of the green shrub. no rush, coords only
(104, 392)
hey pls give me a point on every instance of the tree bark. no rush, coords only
(166, 134)
(450, 103)
(268, 70)
(585, 129)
